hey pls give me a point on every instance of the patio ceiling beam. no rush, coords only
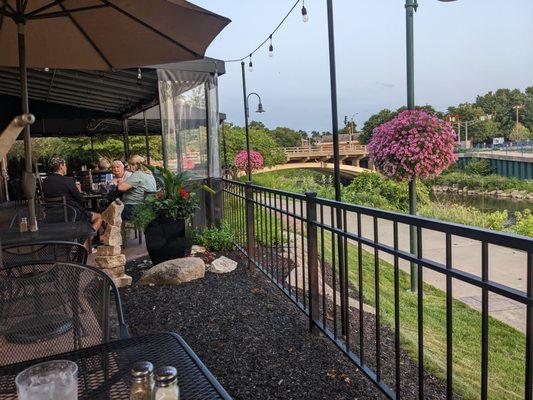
(8, 6)
(140, 108)
(67, 12)
(88, 105)
(81, 83)
(73, 95)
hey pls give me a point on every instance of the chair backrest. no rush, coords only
(47, 213)
(51, 308)
(49, 251)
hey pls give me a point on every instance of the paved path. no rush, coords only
(506, 266)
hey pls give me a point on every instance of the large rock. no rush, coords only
(109, 262)
(112, 236)
(223, 265)
(113, 214)
(108, 250)
(173, 272)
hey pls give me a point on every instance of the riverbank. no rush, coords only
(371, 189)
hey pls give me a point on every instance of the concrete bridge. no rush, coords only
(513, 164)
(351, 154)
(347, 171)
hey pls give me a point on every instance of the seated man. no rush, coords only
(57, 184)
(134, 188)
(119, 173)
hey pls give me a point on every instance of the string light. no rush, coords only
(305, 16)
(269, 37)
(46, 69)
(250, 64)
(139, 74)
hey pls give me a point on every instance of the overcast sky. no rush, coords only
(462, 49)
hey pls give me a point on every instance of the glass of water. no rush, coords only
(52, 380)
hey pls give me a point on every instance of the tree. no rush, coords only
(519, 132)
(480, 131)
(286, 137)
(373, 122)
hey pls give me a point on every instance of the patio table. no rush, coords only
(104, 370)
(67, 231)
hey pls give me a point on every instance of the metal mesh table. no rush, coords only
(104, 369)
(68, 231)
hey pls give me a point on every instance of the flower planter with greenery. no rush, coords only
(164, 215)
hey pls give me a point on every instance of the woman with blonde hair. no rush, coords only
(134, 188)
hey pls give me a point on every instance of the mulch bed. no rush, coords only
(252, 338)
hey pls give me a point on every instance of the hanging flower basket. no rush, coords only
(256, 159)
(414, 144)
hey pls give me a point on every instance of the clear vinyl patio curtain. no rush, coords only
(188, 104)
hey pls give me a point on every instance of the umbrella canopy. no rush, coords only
(105, 34)
(98, 35)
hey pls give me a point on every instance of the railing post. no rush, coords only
(250, 247)
(312, 261)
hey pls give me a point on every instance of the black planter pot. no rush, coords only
(166, 239)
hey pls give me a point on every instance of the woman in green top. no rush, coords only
(140, 182)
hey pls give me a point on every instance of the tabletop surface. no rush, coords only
(104, 369)
(68, 231)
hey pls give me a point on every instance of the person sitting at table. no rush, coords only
(119, 172)
(57, 184)
(134, 188)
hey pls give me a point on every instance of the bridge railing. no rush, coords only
(325, 150)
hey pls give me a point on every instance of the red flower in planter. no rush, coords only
(184, 193)
(159, 195)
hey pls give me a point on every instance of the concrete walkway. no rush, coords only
(506, 266)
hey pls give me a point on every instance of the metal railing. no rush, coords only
(349, 281)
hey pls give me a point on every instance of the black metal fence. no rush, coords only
(345, 266)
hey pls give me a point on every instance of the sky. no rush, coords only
(462, 49)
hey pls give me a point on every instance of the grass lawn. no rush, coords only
(506, 345)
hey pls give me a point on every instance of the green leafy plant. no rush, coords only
(216, 238)
(172, 201)
(524, 223)
(478, 166)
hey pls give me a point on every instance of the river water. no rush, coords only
(484, 203)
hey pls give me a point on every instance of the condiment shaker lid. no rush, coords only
(142, 370)
(164, 376)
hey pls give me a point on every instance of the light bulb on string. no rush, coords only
(46, 69)
(139, 74)
(305, 16)
(271, 48)
(250, 65)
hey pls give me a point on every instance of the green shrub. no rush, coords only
(483, 183)
(374, 190)
(216, 239)
(524, 223)
(465, 215)
(478, 166)
(141, 215)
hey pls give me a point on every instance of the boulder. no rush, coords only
(196, 249)
(113, 214)
(109, 262)
(173, 272)
(112, 236)
(223, 265)
(108, 250)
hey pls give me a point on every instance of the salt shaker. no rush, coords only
(142, 381)
(166, 384)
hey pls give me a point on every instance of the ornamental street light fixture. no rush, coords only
(410, 7)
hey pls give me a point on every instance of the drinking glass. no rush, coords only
(52, 380)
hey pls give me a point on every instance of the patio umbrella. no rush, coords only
(98, 35)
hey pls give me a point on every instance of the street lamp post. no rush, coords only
(410, 7)
(260, 109)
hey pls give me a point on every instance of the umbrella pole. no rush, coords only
(146, 141)
(28, 180)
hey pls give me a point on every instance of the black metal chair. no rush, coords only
(50, 251)
(47, 213)
(50, 308)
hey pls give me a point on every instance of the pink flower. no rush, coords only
(414, 144)
(256, 159)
